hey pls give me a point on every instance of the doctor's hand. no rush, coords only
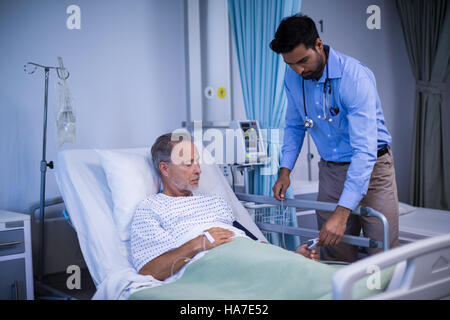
(333, 230)
(220, 236)
(283, 182)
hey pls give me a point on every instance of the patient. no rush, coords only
(172, 227)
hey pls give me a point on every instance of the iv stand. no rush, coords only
(44, 163)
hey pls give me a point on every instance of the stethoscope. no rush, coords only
(309, 123)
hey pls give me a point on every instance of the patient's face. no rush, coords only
(184, 170)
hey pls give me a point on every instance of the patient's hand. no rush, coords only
(310, 254)
(220, 236)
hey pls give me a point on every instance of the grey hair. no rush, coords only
(163, 146)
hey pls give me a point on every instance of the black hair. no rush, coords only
(293, 31)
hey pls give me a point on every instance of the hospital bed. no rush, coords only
(421, 269)
(415, 223)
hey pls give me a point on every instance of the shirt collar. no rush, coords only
(334, 66)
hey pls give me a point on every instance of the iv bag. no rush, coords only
(65, 117)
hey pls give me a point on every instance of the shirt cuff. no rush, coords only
(349, 199)
(288, 162)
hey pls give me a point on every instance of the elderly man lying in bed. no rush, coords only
(171, 227)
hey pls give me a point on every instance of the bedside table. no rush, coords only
(16, 267)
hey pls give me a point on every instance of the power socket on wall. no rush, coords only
(230, 173)
(226, 171)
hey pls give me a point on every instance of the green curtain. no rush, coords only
(426, 29)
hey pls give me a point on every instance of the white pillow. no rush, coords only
(131, 178)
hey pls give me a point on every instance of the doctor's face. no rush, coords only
(184, 169)
(307, 62)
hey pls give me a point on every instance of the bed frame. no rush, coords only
(317, 205)
(422, 268)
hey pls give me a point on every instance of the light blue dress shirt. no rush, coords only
(355, 133)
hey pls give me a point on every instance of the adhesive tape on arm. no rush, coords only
(209, 236)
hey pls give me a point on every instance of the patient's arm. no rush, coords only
(160, 267)
(170, 262)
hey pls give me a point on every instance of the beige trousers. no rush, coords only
(381, 196)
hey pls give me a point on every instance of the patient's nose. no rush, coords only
(197, 169)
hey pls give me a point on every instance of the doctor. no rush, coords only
(334, 96)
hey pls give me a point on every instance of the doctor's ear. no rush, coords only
(318, 44)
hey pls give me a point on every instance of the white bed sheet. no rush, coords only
(87, 197)
(422, 223)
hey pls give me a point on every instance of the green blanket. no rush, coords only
(245, 270)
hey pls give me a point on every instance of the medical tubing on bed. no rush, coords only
(283, 217)
(282, 224)
(186, 259)
(206, 235)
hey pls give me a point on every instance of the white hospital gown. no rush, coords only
(162, 223)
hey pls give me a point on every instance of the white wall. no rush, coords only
(215, 56)
(127, 75)
(128, 78)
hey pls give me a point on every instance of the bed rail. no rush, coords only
(425, 276)
(318, 205)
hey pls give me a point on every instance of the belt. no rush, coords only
(381, 152)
